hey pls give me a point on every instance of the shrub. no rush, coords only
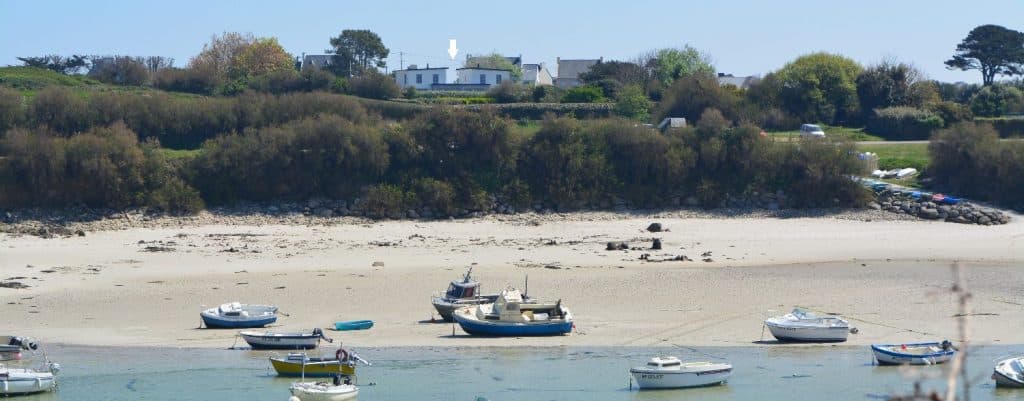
(12, 108)
(506, 92)
(969, 160)
(373, 85)
(690, 96)
(566, 164)
(633, 103)
(437, 195)
(583, 94)
(60, 109)
(279, 81)
(546, 94)
(537, 111)
(190, 80)
(120, 70)
(996, 100)
(385, 200)
(1008, 127)
(903, 123)
(950, 112)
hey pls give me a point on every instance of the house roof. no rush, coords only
(573, 68)
(481, 68)
(470, 59)
(423, 69)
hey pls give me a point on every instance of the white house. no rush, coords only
(483, 76)
(536, 74)
(421, 78)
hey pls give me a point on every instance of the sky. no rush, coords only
(743, 37)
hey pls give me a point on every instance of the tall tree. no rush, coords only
(672, 64)
(219, 55)
(818, 87)
(992, 49)
(263, 56)
(63, 65)
(356, 50)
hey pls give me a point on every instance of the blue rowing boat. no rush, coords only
(511, 316)
(353, 325)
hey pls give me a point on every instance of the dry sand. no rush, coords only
(887, 277)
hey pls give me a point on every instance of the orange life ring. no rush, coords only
(341, 355)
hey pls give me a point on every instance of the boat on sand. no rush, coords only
(510, 315)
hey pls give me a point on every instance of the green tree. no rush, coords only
(625, 73)
(262, 56)
(672, 64)
(495, 61)
(63, 65)
(357, 50)
(818, 87)
(992, 49)
(120, 70)
(996, 100)
(889, 84)
(218, 57)
(583, 94)
(633, 103)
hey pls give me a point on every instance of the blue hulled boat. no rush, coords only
(510, 315)
(913, 354)
(353, 325)
(236, 315)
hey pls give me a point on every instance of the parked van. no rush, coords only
(811, 131)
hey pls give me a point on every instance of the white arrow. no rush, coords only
(452, 50)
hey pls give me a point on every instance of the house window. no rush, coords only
(497, 79)
(483, 78)
(437, 79)
(405, 79)
(419, 78)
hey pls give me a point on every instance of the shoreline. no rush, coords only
(889, 274)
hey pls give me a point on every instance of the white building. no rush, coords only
(483, 76)
(536, 74)
(421, 78)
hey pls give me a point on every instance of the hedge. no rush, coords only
(537, 111)
(903, 123)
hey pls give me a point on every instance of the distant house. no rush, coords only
(472, 60)
(316, 60)
(483, 76)
(536, 74)
(569, 71)
(671, 122)
(421, 78)
(739, 82)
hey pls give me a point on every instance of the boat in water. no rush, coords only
(297, 364)
(284, 340)
(801, 325)
(669, 372)
(460, 294)
(236, 315)
(339, 390)
(510, 315)
(1009, 372)
(913, 354)
(19, 381)
(353, 325)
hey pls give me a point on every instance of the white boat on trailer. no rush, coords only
(1009, 372)
(666, 372)
(913, 354)
(267, 339)
(803, 326)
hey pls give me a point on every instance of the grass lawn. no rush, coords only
(178, 154)
(848, 133)
(899, 155)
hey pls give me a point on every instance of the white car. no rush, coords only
(811, 131)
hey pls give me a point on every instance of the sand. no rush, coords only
(146, 286)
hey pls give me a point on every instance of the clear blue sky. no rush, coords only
(743, 37)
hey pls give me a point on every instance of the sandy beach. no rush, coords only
(144, 286)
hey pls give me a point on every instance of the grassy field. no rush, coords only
(848, 133)
(899, 155)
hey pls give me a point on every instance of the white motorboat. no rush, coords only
(1009, 372)
(913, 354)
(670, 372)
(17, 381)
(801, 325)
(323, 391)
(266, 339)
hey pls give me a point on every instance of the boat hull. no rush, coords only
(17, 383)
(447, 307)
(216, 322)
(884, 355)
(1005, 376)
(276, 341)
(808, 334)
(316, 393)
(470, 324)
(353, 325)
(323, 368)
(650, 379)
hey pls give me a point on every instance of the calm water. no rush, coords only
(500, 374)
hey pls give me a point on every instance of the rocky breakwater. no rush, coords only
(929, 208)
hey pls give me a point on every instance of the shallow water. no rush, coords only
(768, 372)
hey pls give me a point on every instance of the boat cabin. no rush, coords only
(664, 362)
(462, 289)
(510, 307)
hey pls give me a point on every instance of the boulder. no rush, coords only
(654, 227)
(928, 213)
(617, 246)
(656, 244)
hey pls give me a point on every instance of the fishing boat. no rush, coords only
(461, 293)
(17, 381)
(510, 315)
(353, 325)
(236, 315)
(801, 325)
(1009, 372)
(284, 340)
(670, 372)
(323, 391)
(913, 354)
(299, 364)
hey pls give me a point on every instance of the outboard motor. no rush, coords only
(318, 332)
(337, 380)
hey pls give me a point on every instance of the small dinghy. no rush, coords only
(236, 315)
(353, 325)
(284, 340)
(322, 391)
(1009, 373)
(804, 326)
(15, 381)
(913, 354)
(670, 372)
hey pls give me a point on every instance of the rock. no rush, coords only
(929, 213)
(552, 267)
(656, 244)
(378, 264)
(616, 246)
(874, 206)
(80, 233)
(985, 220)
(654, 227)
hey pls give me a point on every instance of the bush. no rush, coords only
(60, 109)
(280, 81)
(506, 92)
(903, 123)
(1008, 127)
(566, 164)
(996, 100)
(374, 85)
(190, 80)
(583, 94)
(537, 111)
(633, 103)
(12, 108)
(950, 112)
(546, 94)
(385, 200)
(439, 196)
(120, 70)
(690, 96)
(969, 160)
